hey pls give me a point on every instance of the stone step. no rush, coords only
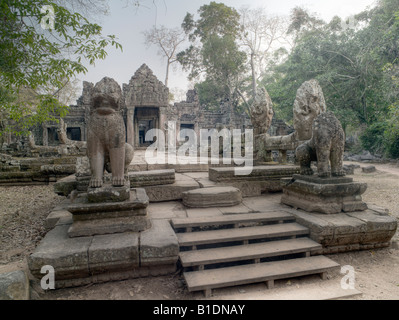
(241, 234)
(268, 272)
(247, 252)
(232, 219)
(212, 197)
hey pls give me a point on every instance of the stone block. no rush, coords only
(212, 197)
(65, 185)
(369, 169)
(247, 188)
(379, 229)
(321, 230)
(166, 210)
(68, 256)
(111, 217)
(114, 252)
(323, 195)
(158, 245)
(259, 173)
(14, 286)
(85, 228)
(54, 217)
(58, 169)
(348, 231)
(150, 178)
(200, 212)
(108, 193)
(135, 206)
(171, 192)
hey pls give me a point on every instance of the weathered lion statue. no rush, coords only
(326, 146)
(106, 136)
(261, 112)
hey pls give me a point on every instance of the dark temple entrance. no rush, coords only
(145, 119)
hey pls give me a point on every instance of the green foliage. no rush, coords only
(214, 52)
(373, 139)
(357, 67)
(39, 58)
(392, 132)
(383, 137)
(209, 94)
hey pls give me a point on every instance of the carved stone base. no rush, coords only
(323, 195)
(109, 193)
(109, 217)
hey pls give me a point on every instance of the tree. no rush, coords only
(357, 67)
(168, 41)
(214, 53)
(259, 34)
(42, 44)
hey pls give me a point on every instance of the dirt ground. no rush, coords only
(23, 209)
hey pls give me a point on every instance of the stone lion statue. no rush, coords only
(106, 136)
(261, 112)
(309, 103)
(326, 146)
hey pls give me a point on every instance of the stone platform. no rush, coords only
(160, 185)
(344, 232)
(261, 179)
(101, 258)
(323, 195)
(84, 260)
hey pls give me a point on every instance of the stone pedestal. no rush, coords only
(212, 197)
(323, 195)
(99, 218)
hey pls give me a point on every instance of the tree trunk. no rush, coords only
(253, 75)
(167, 73)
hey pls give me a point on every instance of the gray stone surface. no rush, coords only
(136, 205)
(151, 178)
(348, 231)
(335, 196)
(159, 244)
(102, 226)
(109, 193)
(369, 169)
(212, 197)
(68, 256)
(114, 252)
(171, 192)
(14, 286)
(262, 178)
(65, 186)
(95, 259)
(54, 216)
(112, 217)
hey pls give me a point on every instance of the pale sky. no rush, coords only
(128, 23)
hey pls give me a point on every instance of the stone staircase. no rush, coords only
(238, 249)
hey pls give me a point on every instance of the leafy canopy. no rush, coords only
(36, 57)
(214, 53)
